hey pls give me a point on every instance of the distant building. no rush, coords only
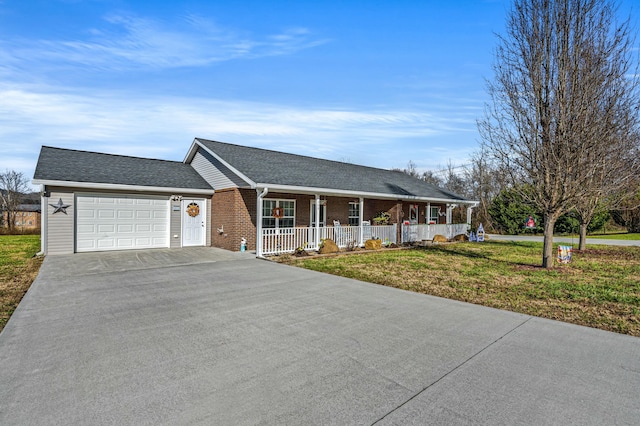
(26, 218)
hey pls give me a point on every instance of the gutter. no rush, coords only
(358, 194)
(121, 187)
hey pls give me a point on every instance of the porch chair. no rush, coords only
(337, 232)
(366, 230)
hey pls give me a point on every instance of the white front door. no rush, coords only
(193, 222)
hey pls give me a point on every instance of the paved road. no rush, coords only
(567, 240)
(203, 336)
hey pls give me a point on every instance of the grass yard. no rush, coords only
(18, 269)
(626, 236)
(600, 288)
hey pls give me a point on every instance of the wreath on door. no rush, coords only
(193, 209)
(278, 212)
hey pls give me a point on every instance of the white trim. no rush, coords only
(346, 193)
(317, 207)
(44, 219)
(121, 187)
(313, 213)
(278, 200)
(261, 195)
(241, 175)
(360, 219)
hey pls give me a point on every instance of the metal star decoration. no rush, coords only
(60, 207)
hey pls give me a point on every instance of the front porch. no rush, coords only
(425, 232)
(287, 240)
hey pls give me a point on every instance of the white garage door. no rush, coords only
(120, 222)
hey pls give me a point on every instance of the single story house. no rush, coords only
(228, 196)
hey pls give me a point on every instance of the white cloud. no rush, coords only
(163, 127)
(129, 42)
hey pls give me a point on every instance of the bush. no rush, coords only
(509, 213)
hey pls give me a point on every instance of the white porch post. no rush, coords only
(449, 209)
(317, 221)
(360, 219)
(428, 220)
(469, 209)
(261, 195)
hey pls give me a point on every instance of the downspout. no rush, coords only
(44, 210)
(360, 219)
(261, 195)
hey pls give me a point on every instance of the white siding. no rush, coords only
(175, 237)
(60, 229)
(214, 172)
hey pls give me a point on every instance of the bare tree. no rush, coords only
(561, 94)
(484, 181)
(13, 185)
(431, 177)
(614, 185)
(427, 176)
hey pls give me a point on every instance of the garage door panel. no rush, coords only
(85, 213)
(125, 228)
(110, 222)
(106, 228)
(143, 227)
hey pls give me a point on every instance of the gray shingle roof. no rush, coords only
(278, 168)
(69, 165)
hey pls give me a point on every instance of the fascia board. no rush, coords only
(191, 152)
(120, 187)
(241, 175)
(345, 193)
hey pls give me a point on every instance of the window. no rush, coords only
(433, 214)
(354, 214)
(288, 213)
(413, 213)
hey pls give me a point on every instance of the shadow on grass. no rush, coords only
(464, 251)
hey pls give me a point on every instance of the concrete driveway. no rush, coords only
(204, 336)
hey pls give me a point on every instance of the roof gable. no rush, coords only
(268, 167)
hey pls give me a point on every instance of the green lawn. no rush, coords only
(18, 269)
(626, 236)
(599, 288)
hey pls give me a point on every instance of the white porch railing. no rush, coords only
(413, 233)
(287, 240)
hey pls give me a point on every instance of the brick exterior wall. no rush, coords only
(234, 211)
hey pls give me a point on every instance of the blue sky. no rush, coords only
(369, 82)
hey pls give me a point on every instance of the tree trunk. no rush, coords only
(547, 251)
(583, 236)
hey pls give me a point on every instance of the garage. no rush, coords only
(121, 222)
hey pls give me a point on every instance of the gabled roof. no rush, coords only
(266, 168)
(72, 167)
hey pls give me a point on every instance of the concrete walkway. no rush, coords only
(203, 336)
